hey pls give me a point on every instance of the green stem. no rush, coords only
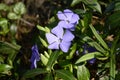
(112, 60)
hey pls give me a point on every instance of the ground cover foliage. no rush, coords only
(59, 40)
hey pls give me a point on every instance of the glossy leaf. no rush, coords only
(34, 72)
(65, 75)
(88, 56)
(83, 73)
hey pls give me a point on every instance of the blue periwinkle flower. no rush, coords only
(61, 36)
(58, 39)
(35, 56)
(68, 19)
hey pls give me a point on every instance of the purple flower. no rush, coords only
(35, 56)
(58, 39)
(68, 19)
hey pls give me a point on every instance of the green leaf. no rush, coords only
(83, 73)
(46, 54)
(4, 26)
(4, 7)
(5, 68)
(88, 56)
(52, 59)
(44, 59)
(51, 20)
(44, 43)
(99, 38)
(113, 58)
(19, 8)
(74, 2)
(65, 75)
(47, 30)
(34, 72)
(41, 28)
(13, 16)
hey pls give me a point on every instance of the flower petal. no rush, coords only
(66, 25)
(58, 31)
(35, 52)
(54, 45)
(61, 16)
(65, 46)
(34, 64)
(51, 38)
(32, 58)
(92, 61)
(63, 24)
(68, 36)
(68, 13)
(74, 19)
(70, 26)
